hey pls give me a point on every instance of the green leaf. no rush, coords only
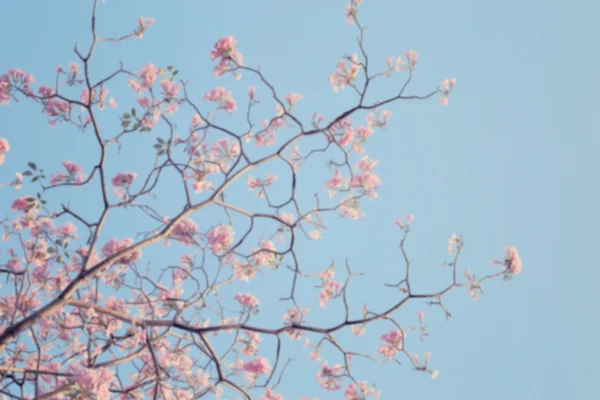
(32, 165)
(175, 72)
(170, 68)
(160, 140)
(126, 116)
(125, 124)
(27, 173)
(160, 153)
(35, 179)
(51, 250)
(157, 146)
(133, 112)
(30, 199)
(59, 242)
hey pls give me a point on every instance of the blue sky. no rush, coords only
(512, 160)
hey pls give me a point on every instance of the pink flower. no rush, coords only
(4, 148)
(123, 179)
(392, 343)
(360, 391)
(148, 75)
(114, 246)
(243, 271)
(330, 378)
(223, 47)
(293, 316)
(350, 208)
(247, 300)
(270, 395)
(18, 182)
(330, 289)
(363, 132)
(169, 88)
(345, 75)
(196, 121)
(411, 57)
(251, 92)
(264, 258)
(143, 25)
(259, 365)
(21, 204)
(229, 57)
(184, 232)
(68, 230)
(292, 98)
(95, 382)
(513, 260)
(220, 238)
(223, 97)
(335, 183)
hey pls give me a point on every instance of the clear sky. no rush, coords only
(512, 160)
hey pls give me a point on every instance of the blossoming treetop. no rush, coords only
(80, 317)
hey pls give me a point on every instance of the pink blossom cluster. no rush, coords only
(14, 79)
(270, 395)
(170, 90)
(95, 382)
(229, 58)
(345, 75)
(454, 243)
(293, 317)
(74, 174)
(402, 225)
(330, 287)
(22, 204)
(185, 231)
(4, 148)
(223, 152)
(330, 378)
(147, 78)
(143, 25)
(260, 184)
(220, 238)
(351, 11)
(366, 179)
(378, 118)
(247, 300)
(258, 365)
(244, 271)
(250, 342)
(255, 367)
(360, 391)
(335, 183)
(446, 88)
(123, 179)
(55, 108)
(72, 73)
(223, 97)
(115, 246)
(393, 343)
(292, 98)
(513, 260)
(264, 258)
(350, 208)
(97, 97)
(196, 121)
